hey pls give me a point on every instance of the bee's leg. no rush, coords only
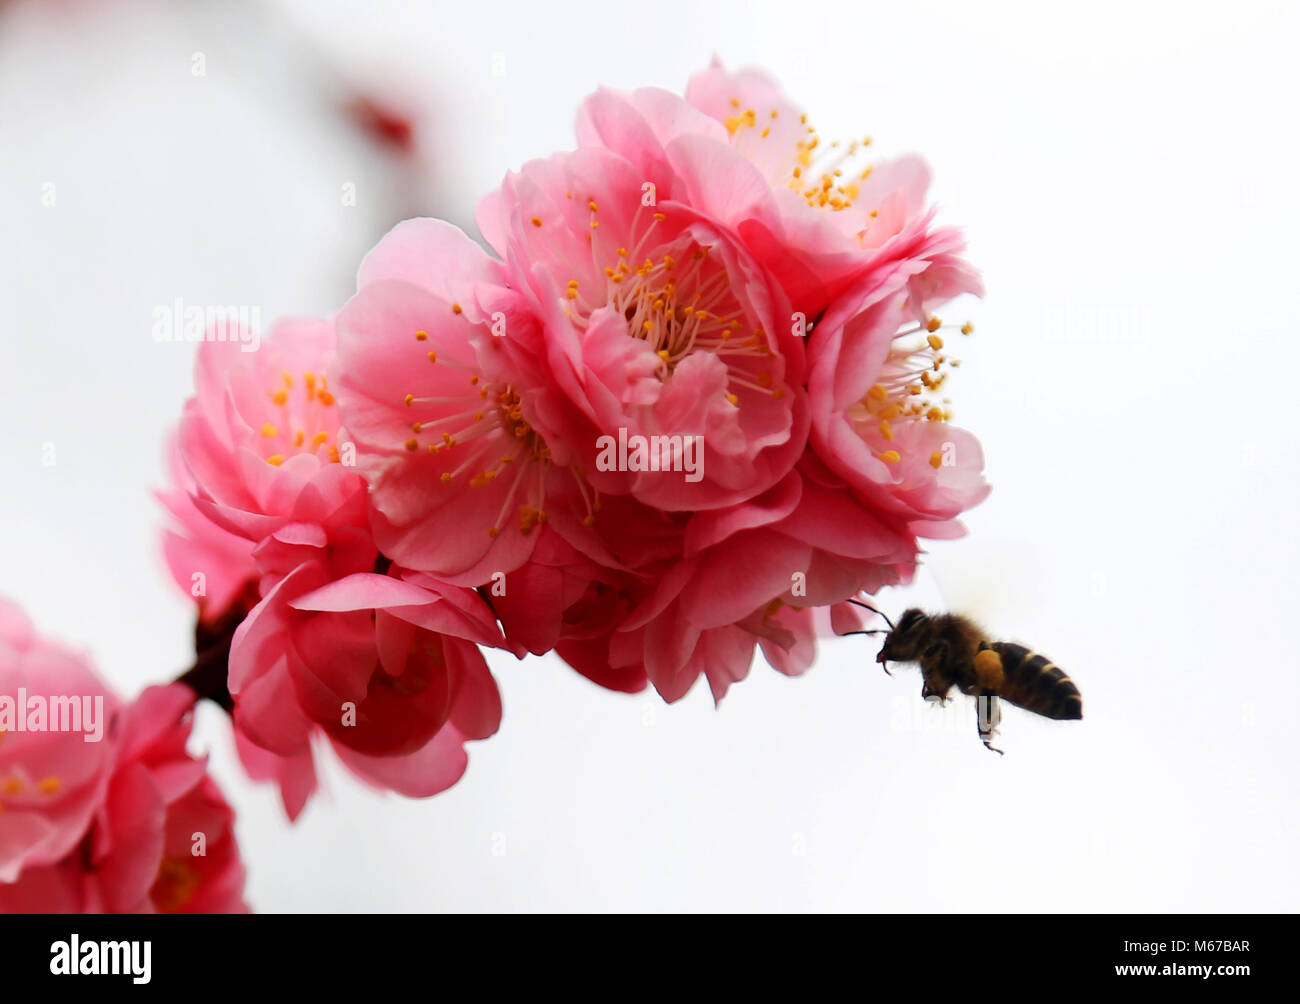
(989, 673)
(988, 713)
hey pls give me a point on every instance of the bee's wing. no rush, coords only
(986, 579)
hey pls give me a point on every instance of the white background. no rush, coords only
(1127, 177)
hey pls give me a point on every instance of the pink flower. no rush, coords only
(656, 326)
(212, 565)
(773, 573)
(51, 782)
(260, 438)
(125, 823)
(460, 479)
(386, 666)
(879, 419)
(163, 839)
(472, 450)
(818, 215)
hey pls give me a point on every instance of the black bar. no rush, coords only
(668, 954)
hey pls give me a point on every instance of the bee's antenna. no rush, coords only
(868, 606)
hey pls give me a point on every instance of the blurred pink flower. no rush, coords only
(126, 823)
(164, 839)
(51, 782)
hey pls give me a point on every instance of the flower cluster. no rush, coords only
(101, 808)
(689, 405)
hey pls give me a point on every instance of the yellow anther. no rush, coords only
(325, 398)
(935, 341)
(732, 399)
(933, 324)
(421, 335)
(319, 438)
(409, 399)
(890, 456)
(967, 328)
(412, 444)
(280, 396)
(886, 429)
(334, 454)
(298, 438)
(660, 217)
(877, 393)
(269, 430)
(592, 206)
(275, 460)
(455, 308)
(537, 221)
(433, 357)
(49, 785)
(446, 477)
(936, 459)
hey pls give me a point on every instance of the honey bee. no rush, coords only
(953, 652)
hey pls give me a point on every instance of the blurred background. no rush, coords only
(1126, 176)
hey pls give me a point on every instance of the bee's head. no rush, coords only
(906, 641)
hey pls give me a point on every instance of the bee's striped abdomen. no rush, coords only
(1035, 683)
